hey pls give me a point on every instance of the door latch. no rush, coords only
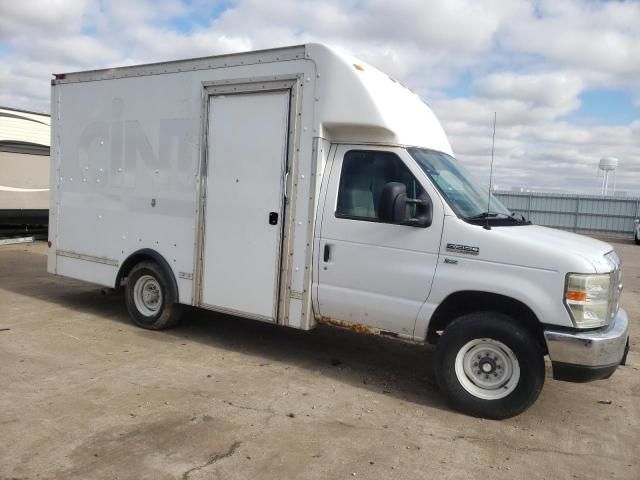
(273, 218)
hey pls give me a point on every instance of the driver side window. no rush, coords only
(364, 174)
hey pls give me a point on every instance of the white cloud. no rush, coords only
(39, 16)
(132, 13)
(593, 36)
(551, 156)
(528, 61)
(556, 90)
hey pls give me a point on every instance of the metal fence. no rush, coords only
(611, 216)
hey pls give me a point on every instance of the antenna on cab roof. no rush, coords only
(493, 143)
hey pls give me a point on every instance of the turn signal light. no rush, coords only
(576, 296)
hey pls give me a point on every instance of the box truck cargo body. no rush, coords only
(300, 186)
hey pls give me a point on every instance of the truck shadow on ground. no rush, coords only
(378, 364)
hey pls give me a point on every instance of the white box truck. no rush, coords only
(300, 186)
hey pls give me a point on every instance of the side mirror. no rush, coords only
(393, 206)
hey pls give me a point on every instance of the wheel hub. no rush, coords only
(147, 295)
(150, 294)
(487, 368)
(487, 365)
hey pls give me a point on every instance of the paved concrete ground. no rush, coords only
(86, 395)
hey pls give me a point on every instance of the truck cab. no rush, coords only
(300, 186)
(408, 247)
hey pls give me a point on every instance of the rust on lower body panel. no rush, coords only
(356, 327)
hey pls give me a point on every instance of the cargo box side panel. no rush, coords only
(128, 172)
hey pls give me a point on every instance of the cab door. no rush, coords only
(369, 270)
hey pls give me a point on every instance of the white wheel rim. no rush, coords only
(147, 295)
(487, 369)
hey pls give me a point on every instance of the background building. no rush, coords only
(24, 170)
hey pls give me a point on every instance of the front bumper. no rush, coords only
(582, 356)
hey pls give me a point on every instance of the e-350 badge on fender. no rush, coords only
(469, 250)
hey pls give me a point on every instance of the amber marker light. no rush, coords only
(576, 296)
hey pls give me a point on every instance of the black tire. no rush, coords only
(166, 311)
(637, 239)
(497, 328)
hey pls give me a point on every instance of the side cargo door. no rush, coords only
(243, 212)
(370, 271)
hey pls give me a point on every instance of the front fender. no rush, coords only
(539, 289)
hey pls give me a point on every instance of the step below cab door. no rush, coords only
(372, 269)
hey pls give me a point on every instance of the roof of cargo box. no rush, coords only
(355, 101)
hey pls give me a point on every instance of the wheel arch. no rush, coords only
(142, 255)
(468, 301)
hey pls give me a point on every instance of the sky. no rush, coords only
(562, 76)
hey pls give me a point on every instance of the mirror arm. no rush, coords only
(416, 222)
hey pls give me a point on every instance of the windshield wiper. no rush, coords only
(487, 216)
(483, 216)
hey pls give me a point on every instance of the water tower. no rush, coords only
(607, 164)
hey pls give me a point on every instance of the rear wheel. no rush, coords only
(637, 235)
(489, 366)
(151, 297)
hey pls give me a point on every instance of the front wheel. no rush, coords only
(489, 366)
(151, 297)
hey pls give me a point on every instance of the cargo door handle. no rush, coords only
(273, 218)
(327, 252)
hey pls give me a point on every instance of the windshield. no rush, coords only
(460, 189)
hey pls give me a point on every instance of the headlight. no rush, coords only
(588, 299)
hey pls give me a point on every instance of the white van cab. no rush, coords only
(299, 186)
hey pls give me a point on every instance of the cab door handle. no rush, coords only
(327, 252)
